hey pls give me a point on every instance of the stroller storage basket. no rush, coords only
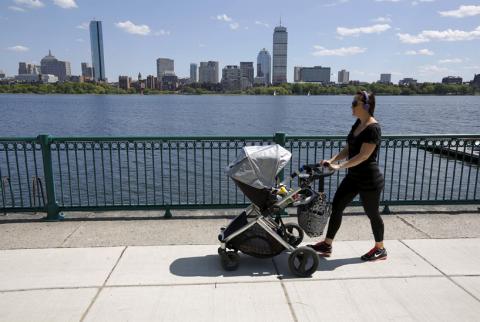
(313, 217)
(256, 242)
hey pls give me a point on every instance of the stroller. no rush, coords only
(259, 230)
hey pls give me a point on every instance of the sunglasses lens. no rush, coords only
(354, 103)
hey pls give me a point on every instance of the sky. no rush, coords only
(423, 39)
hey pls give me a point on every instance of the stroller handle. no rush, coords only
(316, 171)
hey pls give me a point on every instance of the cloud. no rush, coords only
(414, 3)
(446, 35)
(424, 52)
(224, 17)
(450, 61)
(16, 9)
(382, 19)
(333, 4)
(83, 25)
(266, 25)
(462, 11)
(65, 4)
(134, 29)
(362, 30)
(34, 4)
(18, 48)
(432, 69)
(344, 51)
(234, 25)
(162, 32)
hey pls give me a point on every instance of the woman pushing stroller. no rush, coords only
(363, 176)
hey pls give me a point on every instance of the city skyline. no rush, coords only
(390, 39)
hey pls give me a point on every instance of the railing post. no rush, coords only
(52, 208)
(280, 138)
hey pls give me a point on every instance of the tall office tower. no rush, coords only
(22, 68)
(231, 77)
(208, 72)
(385, 78)
(50, 65)
(264, 65)
(296, 73)
(193, 73)
(87, 71)
(96, 43)
(246, 73)
(124, 82)
(280, 42)
(343, 77)
(164, 65)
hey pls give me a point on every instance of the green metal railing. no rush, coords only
(56, 174)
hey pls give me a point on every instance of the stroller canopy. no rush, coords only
(257, 166)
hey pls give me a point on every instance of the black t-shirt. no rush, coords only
(368, 170)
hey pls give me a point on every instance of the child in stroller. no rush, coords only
(259, 230)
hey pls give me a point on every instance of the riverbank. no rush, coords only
(217, 89)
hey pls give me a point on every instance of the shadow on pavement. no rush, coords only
(210, 266)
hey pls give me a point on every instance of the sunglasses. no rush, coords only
(354, 103)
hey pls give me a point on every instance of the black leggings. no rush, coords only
(370, 199)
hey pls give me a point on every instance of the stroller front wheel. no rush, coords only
(303, 261)
(230, 260)
(294, 234)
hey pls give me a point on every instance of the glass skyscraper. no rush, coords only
(96, 42)
(280, 42)
(264, 65)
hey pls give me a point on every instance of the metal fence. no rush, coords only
(56, 174)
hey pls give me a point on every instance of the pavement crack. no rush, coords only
(438, 269)
(70, 235)
(84, 315)
(289, 302)
(406, 222)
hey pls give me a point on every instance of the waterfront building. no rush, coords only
(452, 80)
(280, 45)
(152, 82)
(24, 68)
(476, 81)
(316, 74)
(296, 73)
(87, 71)
(193, 73)
(246, 74)
(260, 80)
(2, 74)
(28, 78)
(264, 66)
(124, 82)
(48, 78)
(407, 81)
(50, 65)
(385, 78)
(169, 81)
(96, 44)
(343, 77)
(208, 72)
(164, 65)
(231, 77)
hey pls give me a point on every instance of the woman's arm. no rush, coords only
(365, 151)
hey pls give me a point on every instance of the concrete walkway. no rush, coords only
(423, 279)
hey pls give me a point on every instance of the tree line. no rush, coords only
(283, 89)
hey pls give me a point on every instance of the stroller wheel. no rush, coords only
(294, 234)
(230, 260)
(303, 261)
